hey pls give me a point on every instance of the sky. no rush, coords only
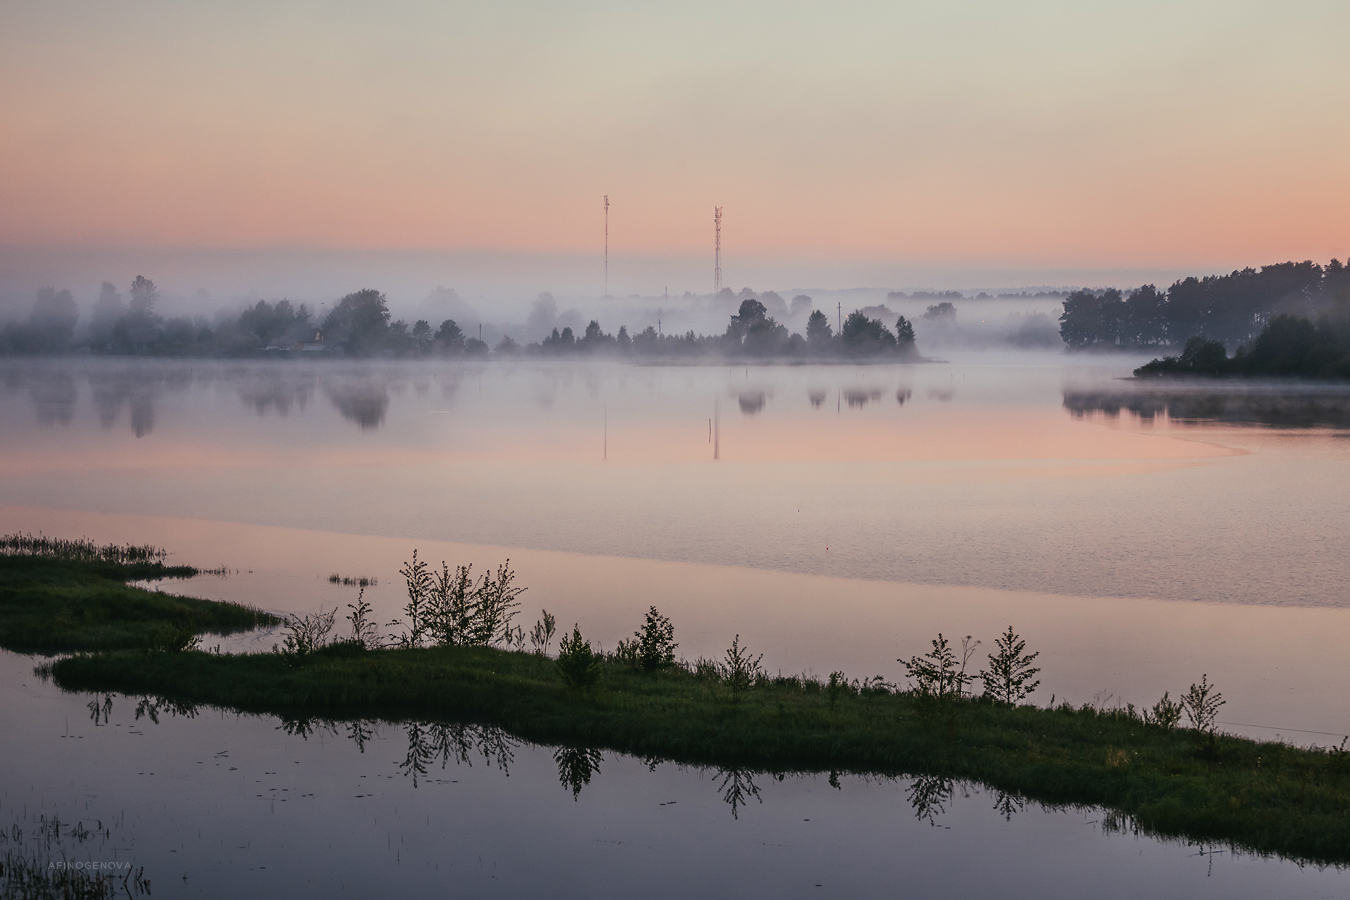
(898, 143)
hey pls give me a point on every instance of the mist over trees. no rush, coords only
(360, 325)
(1231, 309)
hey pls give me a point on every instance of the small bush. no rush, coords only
(1202, 704)
(740, 670)
(1166, 713)
(306, 634)
(542, 633)
(577, 664)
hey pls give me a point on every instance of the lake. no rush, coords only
(835, 517)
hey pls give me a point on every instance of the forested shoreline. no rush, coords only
(1232, 309)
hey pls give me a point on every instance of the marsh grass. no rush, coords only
(72, 600)
(1265, 797)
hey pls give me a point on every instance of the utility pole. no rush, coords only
(839, 318)
(607, 245)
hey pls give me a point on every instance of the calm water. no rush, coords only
(835, 517)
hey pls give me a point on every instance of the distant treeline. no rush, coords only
(1231, 309)
(752, 332)
(359, 325)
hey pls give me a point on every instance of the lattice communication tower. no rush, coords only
(717, 249)
(607, 245)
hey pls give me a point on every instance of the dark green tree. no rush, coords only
(360, 322)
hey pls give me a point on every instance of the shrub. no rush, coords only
(542, 633)
(307, 633)
(654, 644)
(937, 674)
(1166, 713)
(1202, 704)
(577, 663)
(454, 608)
(740, 670)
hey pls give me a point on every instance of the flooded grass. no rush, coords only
(60, 596)
(1263, 797)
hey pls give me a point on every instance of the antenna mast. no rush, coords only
(607, 245)
(717, 251)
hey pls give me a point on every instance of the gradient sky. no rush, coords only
(1047, 135)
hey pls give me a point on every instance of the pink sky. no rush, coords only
(1045, 135)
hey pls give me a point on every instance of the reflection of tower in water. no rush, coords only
(717, 430)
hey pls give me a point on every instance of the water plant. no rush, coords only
(361, 581)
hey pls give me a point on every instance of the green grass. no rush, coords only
(1263, 797)
(63, 602)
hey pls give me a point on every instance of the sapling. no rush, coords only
(1009, 676)
(741, 670)
(937, 674)
(364, 631)
(542, 633)
(1202, 704)
(655, 642)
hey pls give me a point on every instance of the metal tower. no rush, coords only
(607, 245)
(717, 252)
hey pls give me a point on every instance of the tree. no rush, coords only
(421, 335)
(904, 335)
(52, 319)
(143, 297)
(360, 322)
(941, 312)
(107, 310)
(449, 338)
(818, 331)
(752, 313)
(863, 336)
(1008, 678)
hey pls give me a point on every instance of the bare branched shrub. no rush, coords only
(307, 633)
(1202, 704)
(364, 631)
(542, 633)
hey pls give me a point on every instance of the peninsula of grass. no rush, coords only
(1189, 783)
(62, 596)
(1263, 797)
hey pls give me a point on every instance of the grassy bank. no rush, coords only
(59, 596)
(1188, 783)
(1268, 798)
